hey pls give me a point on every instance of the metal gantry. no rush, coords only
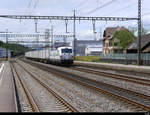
(67, 18)
(11, 35)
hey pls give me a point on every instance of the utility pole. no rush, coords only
(100, 33)
(94, 30)
(66, 24)
(74, 35)
(64, 39)
(139, 33)
(6, 45)
(52, 40)
(38, 45)
(36, 20)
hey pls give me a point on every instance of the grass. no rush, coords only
(88, 58)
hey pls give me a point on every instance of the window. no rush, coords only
(115, 44)
(66, 50)
(110, 43)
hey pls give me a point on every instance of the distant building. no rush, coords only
(60, 44)
(109, 43)
(3, 53)
(93, 51)
(145, 45)
(81, 45)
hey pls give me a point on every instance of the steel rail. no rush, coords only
(62, 100)
(144, 82)
(96, 85)
(27, 93)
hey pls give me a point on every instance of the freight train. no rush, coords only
(58, 56)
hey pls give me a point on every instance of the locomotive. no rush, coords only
(58, 56)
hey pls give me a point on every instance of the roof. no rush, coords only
(147, 49)
(145, 39)
(109, 31)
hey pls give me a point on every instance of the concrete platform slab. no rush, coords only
(7, 97)
(134, 68)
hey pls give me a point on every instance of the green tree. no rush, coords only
(124, 38)
(135, 30)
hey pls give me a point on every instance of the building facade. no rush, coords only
(93, 51)
(81, 45)
(109, 43)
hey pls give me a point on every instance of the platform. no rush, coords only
(134, 68)
(7, 94)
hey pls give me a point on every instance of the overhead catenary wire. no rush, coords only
(28, 7)
(120, 9)
(145, 14)
(80, 4)
(35, 4)
(31, 6)
(97, 8)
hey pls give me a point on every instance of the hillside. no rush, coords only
(16, 49)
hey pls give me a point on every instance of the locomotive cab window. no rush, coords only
(66, 50)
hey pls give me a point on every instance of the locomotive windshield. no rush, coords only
(66, 50)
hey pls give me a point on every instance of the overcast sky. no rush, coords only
(121, 8)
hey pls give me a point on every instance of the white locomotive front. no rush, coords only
(66, 55)
(61, 55)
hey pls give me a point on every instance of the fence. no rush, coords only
(126, 58)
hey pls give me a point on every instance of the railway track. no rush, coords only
(137, 100)
(34, 105)
(127, 78)
(26, 91)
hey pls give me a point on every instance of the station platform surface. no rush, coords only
(7, 92)
(135, 68)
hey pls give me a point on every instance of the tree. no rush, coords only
(124, 38)
(16, 48)
(144, 31)
(135, 30)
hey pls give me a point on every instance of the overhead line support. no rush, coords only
(139, 33)
(67, 18)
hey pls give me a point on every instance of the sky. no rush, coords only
(97, 8)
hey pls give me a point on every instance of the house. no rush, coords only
(93, 51)
(145, 45)
(81, 45)
(109, 43)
